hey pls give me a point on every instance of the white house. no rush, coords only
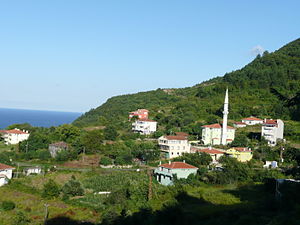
(32, 170)
(144, 126)
(272, 130)
(5, 173)
(174, 146)
(14, 136)
(252, 120)
(165, 172)
(216, 134)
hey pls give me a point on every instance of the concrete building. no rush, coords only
(5, 173)
(217, 134)
(144, 126)
(252, 120)
(165, 172)
(174, 146)
(272, 130)
(140, 114)
(240, 153)
(57, 147)
(15, 136)
(32, 170)
(212, 134)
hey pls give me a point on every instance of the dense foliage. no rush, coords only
(187, 108)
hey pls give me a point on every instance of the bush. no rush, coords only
(72, 188)
(105, 161)
(51, 190)
(8, 205)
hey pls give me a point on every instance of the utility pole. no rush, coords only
(83, 154)
(27, 147)
(18, 170)
(150, 184)
(46, 213)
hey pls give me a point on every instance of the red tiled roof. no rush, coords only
(146, 120)
(181, 134)
(176, 137)
(252, 118)
(270, 122)
(5, 167)
(242, 149)
(14, 131)
(178, 165)
(140, 110)
(217, 125)
(210, 151)
(241, 123)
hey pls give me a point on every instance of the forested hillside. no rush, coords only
(266, 87)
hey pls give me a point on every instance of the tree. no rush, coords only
(72, 188)
(50, 190)
(110, 133)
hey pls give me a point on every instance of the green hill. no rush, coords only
(260, 89)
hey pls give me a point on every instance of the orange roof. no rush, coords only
(242, 149)
(176, 137)
(210, 151)
(217, 125)
(178, 165)
(270, 122)
(140, 110)
(14, 131)
(181, 134)
(252, 118)
(241, 123)
(5, 167)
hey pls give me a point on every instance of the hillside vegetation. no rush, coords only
(260, 89)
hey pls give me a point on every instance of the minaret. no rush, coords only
(225, 115)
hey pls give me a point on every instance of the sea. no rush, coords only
(37, 118)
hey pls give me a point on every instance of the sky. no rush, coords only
(73, 55)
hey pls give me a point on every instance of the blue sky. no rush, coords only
(72, 55)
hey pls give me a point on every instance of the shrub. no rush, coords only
(51, 190)
(72, 188)
(8, 205)
(105, 161)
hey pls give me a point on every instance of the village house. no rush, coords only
(57, 147)
(32, 170)
(240, 153)
(174, 146)
(5, 173)
(216, 134)
(272, 130)
(239, 124)
(140, 114)
(144, 126)
(165, 173)
(15, 136)
(215, 154)
(252, 120)
(212, 134)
